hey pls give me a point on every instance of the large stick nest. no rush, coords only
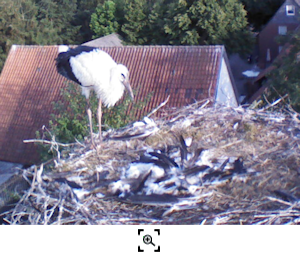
(250, 174)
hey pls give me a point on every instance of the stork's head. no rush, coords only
(123, 74)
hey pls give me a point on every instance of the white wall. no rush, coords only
(225, 93)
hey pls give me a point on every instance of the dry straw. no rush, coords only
(269, 193)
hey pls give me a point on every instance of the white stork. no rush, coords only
(94, 69)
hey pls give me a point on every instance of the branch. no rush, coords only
(158, 107)
(276, 102)
(42, 141)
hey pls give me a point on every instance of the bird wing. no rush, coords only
(92, 68)
(63, 64)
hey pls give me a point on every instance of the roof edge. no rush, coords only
(130, 46)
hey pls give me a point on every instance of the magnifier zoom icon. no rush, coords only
(147, 239)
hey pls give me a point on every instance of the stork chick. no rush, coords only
(94, 69)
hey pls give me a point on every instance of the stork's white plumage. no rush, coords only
(94, 69)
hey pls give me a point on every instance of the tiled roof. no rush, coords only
(29, 84)
(186, 73)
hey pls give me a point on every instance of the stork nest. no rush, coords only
(199, 165)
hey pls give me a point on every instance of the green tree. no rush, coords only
(223, 22)
(36, 22)
(190, 22)
(209, 22)
(57, 21)
(103, 20)
(135, 20)
(85, 8)
(178, 24)
(18, 24)
(156, 21)
(285, 78)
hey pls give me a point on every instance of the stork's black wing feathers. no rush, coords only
(159, 163)
(194, 170)
(71, 184)
(183, 149)
(63, 61)
(165, 159)
(81, 49)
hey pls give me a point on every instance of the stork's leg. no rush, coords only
(100, 119)
(89, 113)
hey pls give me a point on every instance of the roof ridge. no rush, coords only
(131, 46)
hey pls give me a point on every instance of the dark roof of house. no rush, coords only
(280, 16)
(29, 84)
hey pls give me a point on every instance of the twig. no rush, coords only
(158, 107)
(275, 102)
(273, 199)
(43, 141)
(205, 104)
(60, 212)
(231, 144)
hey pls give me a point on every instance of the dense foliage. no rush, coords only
(103, 20)
(179, 22)
(36, 22)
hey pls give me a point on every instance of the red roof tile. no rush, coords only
(29, 84)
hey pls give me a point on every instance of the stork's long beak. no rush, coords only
(129, 89)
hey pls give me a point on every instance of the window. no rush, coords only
(290, 10)
(282, 30)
